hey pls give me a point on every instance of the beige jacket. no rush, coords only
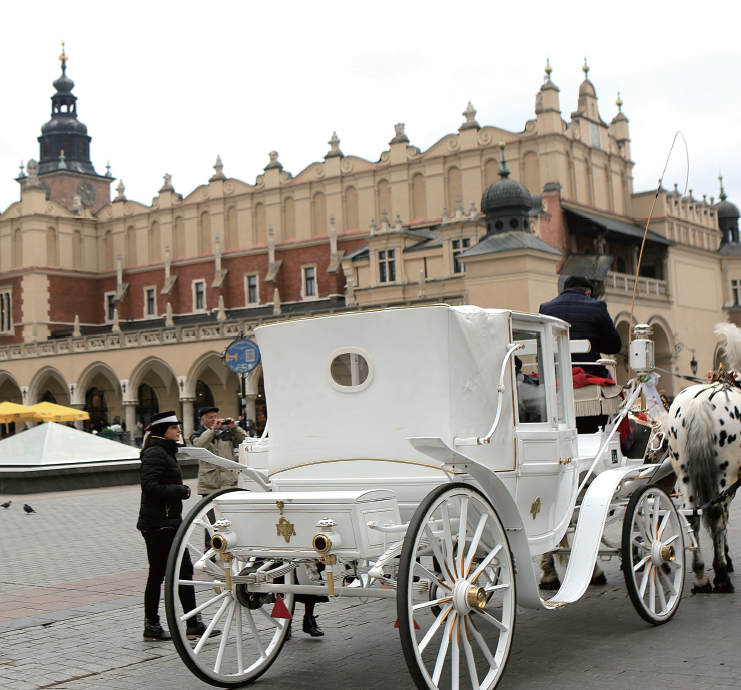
(212, 477)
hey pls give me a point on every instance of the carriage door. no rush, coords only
(541, 430)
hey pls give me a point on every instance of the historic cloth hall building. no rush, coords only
(124, 309)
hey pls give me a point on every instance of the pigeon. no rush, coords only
(6, 505)
(28, 508)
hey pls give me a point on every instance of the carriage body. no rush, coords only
(378, 463)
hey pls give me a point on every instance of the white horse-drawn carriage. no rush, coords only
(401, 463)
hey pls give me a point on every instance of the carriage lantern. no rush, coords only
(642, 349)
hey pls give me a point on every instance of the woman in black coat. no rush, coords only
(160, 516)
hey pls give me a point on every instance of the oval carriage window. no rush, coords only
(350, 370)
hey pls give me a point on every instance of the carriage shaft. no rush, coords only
(319, 590)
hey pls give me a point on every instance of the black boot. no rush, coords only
(153, 631)
(311, 627)
(196, 628)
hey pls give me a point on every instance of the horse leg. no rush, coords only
(721, 581)
(549, 578)
(729, 562)
(700, 580)
(598, 576)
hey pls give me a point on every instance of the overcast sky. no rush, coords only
(165, 87)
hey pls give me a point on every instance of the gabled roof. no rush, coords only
(508, 242)
(613, 225)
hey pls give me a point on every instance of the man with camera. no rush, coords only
(221, 437)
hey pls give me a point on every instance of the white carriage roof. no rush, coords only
(51, 444)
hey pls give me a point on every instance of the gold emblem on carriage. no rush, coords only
(285, 529)
(535, 507)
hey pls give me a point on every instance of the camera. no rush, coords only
(228, 420)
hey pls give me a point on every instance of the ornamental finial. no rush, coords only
(548, 68)
(619, 102)
(63, 59)
(585, 68)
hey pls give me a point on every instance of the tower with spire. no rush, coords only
(65, 168)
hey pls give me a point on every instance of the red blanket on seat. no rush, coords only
(581, 379)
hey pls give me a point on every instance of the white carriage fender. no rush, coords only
(528, 594)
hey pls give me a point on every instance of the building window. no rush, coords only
(252, 289)
(459, 246)
(6, 310)
(387, 266)
(308, 281)
(109, 305)
(199, 295)
(150, 302)
(736, 292)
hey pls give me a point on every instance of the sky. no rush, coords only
(166, 87)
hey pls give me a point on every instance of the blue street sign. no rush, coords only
(242, 356)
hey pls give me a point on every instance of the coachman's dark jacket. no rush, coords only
(163, 491)
(589, 320)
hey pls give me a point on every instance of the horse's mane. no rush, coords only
(732, 346)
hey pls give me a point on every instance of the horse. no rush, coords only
(705, 449)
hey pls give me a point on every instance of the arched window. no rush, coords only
(147, 404)
(455, 191)
(319, 219)
(204, 398)
(155, 253)
(178, 238)
(131, 246)
(384, 201)
(352, 219)
(419, 197)
(491, 172)
(289, 219)
(51, 247)
(204, 234)
(260, 231)
(531, 172)
(108, 249)
(231, 241)
(17, 248)
(77, 250)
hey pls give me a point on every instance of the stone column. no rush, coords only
(187, 404)
(130, 417)
(79, 423)
(249, 407)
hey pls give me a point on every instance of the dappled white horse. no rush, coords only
(705, 446)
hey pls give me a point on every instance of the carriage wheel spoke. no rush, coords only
(641, 544)
(455, 657)
(434, 628)
(655, 517)
(490, 619)
(475, 542)
(662, 597)
(448, 541)
(273, 621)
(240, 642)
(482, 644)
(208, 584)
(205, 605)
(663, 524)
(428, 604)
(255, 634)
(644, 579)
(211, 626)
(674, 565)
(485, 563)
(671, 539)
(652, 591)
(225, 636)
(668, 583)
(435, 544)
(442, 652)
(462, 529)
(431, 576)
(470, 661)
(492, 588)
(641, 563)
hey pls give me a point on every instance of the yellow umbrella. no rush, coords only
(12, 412)
(49, 412)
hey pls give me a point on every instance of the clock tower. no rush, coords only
(64, 165)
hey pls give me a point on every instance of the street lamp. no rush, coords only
(693, 364)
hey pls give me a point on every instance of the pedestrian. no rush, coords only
(220, 437)
(160, 515)
(138, 433)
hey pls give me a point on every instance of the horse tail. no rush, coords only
(702, 467)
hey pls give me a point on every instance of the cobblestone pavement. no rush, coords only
(71, 579)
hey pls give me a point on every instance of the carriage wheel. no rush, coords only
(250, 640)
(456, 527)
(653, 554)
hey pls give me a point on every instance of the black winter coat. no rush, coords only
(163, 490)
(589, 320)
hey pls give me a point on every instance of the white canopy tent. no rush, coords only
(55, 445)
